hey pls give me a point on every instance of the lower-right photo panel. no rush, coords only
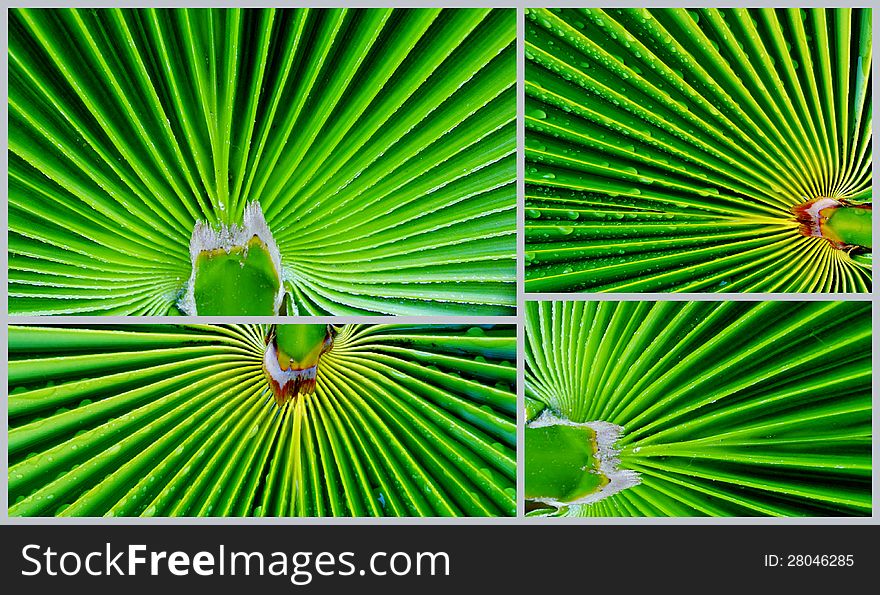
(701, 408)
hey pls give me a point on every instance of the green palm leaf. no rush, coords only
(379, 144)
(725, 409)
(180, 420)
(667, 149)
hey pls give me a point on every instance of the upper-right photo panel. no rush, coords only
(698, 150)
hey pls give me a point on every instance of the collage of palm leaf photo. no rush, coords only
(279, 262)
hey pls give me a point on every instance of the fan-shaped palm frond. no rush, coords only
(678, 150)
(379, 144)
(181, 420)
(722, 409)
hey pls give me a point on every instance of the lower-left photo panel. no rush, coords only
(262, 420)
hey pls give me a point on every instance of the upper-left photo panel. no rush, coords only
(262, 162)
